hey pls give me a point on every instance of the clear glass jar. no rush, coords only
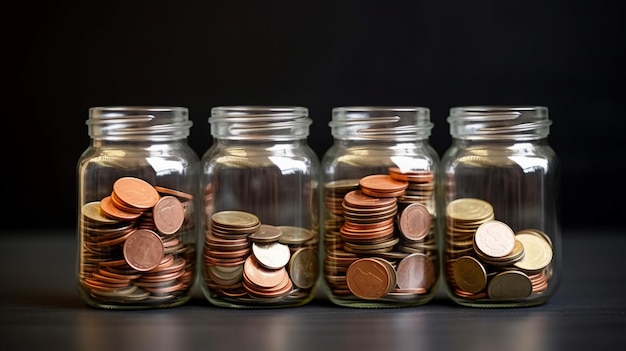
(261, 208)
(137, 223)
(501, 198)
(379, 206)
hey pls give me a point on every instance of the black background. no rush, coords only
(61, 57)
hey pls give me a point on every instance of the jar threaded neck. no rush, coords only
(138, 123)
(381, 123)
(499, 122)
(260, 122)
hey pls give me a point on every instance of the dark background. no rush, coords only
(62, 57)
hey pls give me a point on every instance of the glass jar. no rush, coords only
(379, 206)
(501, 198)
(261, 208)
(137, 224)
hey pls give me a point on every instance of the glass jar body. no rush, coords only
(261, 221)
(380, 249)
(502, 232)
(138, 224)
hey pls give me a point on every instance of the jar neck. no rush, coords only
(381, 123)
(259, 123)
(511, 123)
(138, 124)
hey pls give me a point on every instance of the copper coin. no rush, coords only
(415, 221)
(412, 176)
(143, 250)
(261, 276)
(168, 191)
(169, 214)
(136, 192)
(369, 278)
(356, 198)
(382, 183)
(109, 209)
(416, 271)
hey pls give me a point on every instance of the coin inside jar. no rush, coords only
(143, 250)
(168, 214)
(273, 256)
(135, 192)
(370, 278)
(415, 271)
(494, 238)
(415, 222)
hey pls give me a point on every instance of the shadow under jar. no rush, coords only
(261, 204)
(137, 222)
(380, 215)
(501, 198)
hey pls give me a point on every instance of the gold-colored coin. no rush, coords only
(235, 219)
(295, 235)
(537, 252)
(469, 209)
(469, 274)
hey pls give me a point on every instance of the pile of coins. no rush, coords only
(131, 248)
(486, 259)
(379, 237)
(248, 261)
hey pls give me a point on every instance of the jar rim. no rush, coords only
(517, 122)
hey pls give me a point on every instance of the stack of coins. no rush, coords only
(421, 185)
(249, 261)
(381, 251)
(486, 259)
(131, 249)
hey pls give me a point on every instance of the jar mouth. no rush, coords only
(396, 123)
(499, 122)
(138, 123)
(260, 122)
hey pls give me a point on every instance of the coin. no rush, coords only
(294, 235)
(168, 215)
(469, 274)
(143, 250)
(382, 185)
(415, 271)
(238, 219)
(370, 278)
(266, 234)
(178, 194)
(273, 256)
(509, 285)
(135, 192)
(415, 221)
(357, 198)
(261, 276)
(494, 238)
(303, 267)
(537, 252)
(108, 208)
(469, 209)
(93, 212)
